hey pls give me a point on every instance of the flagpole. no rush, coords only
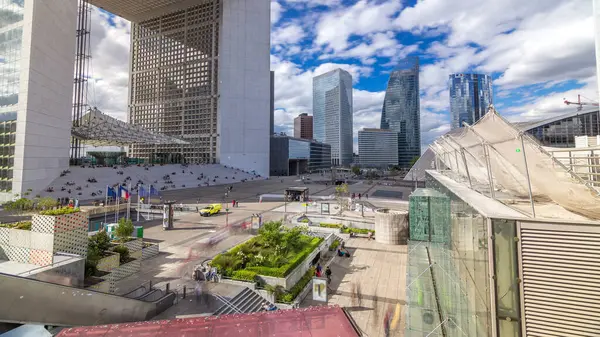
(117, 201)
(138, 205)
(105, 203)
(129, 201)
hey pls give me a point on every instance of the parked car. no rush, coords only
(211, 209)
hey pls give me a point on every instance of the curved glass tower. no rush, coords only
(470, 97)
(332, 114)
(401, 110)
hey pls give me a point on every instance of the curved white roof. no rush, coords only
(98, 129)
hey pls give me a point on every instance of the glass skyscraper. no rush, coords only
(332, 114)
(401, 110)
(470, 97)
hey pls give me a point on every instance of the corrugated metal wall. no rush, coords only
(561, 279)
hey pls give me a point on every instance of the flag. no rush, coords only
(123, 192)
(110, 192)
(142, 192)
(153, 191)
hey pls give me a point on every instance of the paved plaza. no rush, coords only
(381, 272)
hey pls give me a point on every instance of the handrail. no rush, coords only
(50, 266)
(227, 303)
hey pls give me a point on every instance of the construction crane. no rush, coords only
(579, 103)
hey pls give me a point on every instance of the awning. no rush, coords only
(98, 129)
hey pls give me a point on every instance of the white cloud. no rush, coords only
(336, 27)
(288, 34)
(276, 11)
(108, 89)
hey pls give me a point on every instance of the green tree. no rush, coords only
(271, 234)
(18, 206)
(341, 195)
(356, 170)
(124, 229)
(292, 238)
(46, 203)
(413, 161)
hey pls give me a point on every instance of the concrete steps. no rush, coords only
(247, 301)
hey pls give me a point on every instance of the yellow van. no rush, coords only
(211, 209)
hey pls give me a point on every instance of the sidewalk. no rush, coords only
(381, 272)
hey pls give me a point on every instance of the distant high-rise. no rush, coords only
(470, 97)
(332, 114)
(401, 110)
(378, 148)
(303, 126)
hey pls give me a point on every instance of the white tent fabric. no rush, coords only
(98, 129)
(495, 141)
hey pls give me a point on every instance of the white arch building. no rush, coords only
(199, 71)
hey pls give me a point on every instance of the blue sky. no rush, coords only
(537, 51)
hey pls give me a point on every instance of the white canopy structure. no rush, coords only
(98, 129)
(495, 153)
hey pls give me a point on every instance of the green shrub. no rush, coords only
(305, 220)
(18, 206)
(290, 296)
(46, 203)
(330, 225)
(244, 275)
(23, 225)
(90, 267)
(348, 230)
(124, 229)
(123, 253)
(274, 252)
(334, 245)
(60, 211)
(101, 240)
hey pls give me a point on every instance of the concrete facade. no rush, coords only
(391, 227)
(44, 90)
(244, 85)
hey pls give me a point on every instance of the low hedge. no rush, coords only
(24, 225)
(284, 270)
(330, 225)
(290, 296)
(244, 275)
(348, 230)
(305, 220)
(60, 211)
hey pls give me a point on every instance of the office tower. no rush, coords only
(470, 97)
(37, 39)
(303, 126)
(200, 72)
(378, 148)
(272, 119)
(332, 114)
(401, 110)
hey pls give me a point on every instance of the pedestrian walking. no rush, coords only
(328, 274)
(199, 292)
(359, 196)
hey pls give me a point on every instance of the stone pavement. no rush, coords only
(381, 272)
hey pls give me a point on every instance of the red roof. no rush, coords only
(326, 321)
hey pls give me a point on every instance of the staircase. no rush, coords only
(247, 301)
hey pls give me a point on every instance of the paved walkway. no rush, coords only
(381, 272)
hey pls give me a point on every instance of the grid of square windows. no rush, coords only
(174, 81)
